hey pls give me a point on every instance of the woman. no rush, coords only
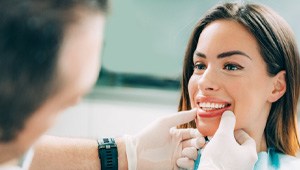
(244, 58)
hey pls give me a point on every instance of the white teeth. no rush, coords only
(211, 106)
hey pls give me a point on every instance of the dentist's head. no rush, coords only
(244, 58)
(49, 58)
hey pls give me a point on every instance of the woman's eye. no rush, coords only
(233, 67)
(199, 66)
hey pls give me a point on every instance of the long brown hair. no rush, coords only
(279, 51)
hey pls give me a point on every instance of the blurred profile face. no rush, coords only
(78, 67)
(229, 74)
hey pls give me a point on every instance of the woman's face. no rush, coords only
(229, 74)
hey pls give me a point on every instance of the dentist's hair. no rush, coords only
(31, 33)
(279, 51)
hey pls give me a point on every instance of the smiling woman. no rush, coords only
(240, 58)
(233, 74)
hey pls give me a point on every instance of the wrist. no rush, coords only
(131, 151)
(122, 157)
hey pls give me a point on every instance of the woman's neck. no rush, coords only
(257, 133)
(262, 146)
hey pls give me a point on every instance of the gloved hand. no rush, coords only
(160, 144)
(188, 157)
(229, 150)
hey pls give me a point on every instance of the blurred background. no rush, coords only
(142, 57)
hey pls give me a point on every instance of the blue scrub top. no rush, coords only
(270, 160)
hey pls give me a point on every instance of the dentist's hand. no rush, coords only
(229, 150)
(160, 145)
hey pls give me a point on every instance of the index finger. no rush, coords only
(180, 118)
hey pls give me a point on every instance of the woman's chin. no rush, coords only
(207, 128)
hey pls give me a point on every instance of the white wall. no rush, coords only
(115, 111)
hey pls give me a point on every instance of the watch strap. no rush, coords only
(108, 153)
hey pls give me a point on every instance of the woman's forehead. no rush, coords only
(222, 36)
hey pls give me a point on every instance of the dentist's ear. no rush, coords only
(279, 86)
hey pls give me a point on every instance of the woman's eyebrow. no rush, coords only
(235, 52)
(224, 54)
(199, 54)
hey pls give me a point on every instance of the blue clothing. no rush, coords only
(270, 160)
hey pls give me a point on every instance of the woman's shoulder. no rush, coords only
(289, 159)
(285, 161)
(276, 161)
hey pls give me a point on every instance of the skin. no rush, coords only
(237, 79)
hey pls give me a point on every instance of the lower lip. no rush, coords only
(211, 113)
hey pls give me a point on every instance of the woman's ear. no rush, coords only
(279, 87)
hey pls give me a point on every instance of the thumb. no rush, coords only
(180, 118)
(227, 122)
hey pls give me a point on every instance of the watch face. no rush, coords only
(106, 140)
(106, 143)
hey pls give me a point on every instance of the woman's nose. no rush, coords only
(208, 81)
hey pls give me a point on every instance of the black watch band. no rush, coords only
(108, 153)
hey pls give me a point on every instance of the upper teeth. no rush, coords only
(212, 105)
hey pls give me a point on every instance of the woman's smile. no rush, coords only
(209, 107)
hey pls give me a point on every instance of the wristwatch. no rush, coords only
(108, 153)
